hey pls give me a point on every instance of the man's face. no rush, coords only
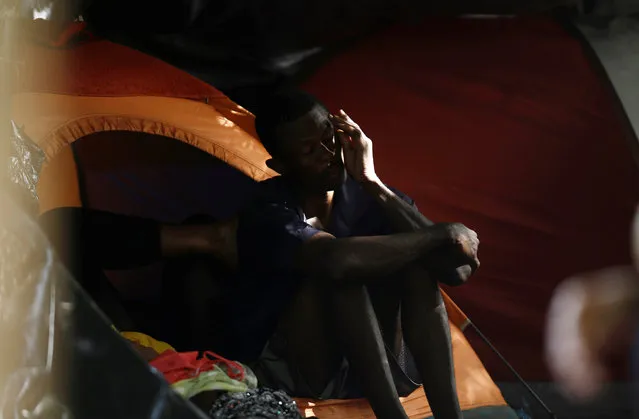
(310, 153)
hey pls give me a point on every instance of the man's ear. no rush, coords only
(275, 165)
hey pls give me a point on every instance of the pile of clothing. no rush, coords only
(233, 385)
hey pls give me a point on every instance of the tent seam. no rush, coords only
(57, 138)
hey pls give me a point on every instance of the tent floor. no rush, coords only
(416, 407)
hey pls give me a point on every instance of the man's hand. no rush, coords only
(456, 260)
(357, 148)
(466, 239)
(460, 237)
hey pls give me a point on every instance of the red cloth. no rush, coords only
(178, 366)
(502, 125)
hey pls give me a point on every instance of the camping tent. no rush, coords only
(154, 102)
(497, 123)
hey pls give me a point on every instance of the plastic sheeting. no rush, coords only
(25, 162)
(60, 358)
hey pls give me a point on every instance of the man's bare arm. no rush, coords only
(452, 265)
(404, 217)
(358, 160)
(359, 259)
(216, 239)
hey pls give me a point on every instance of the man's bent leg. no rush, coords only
(427, 333)
(317, 351)
(310, 348)
(386, 298)
(359, 333)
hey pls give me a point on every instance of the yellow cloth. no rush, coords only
(147, 341)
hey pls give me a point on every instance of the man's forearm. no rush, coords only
(216, 239)
(362, 259)
(404, 217)
(183, 239)
(446, 266)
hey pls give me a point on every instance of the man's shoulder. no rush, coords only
(271, 195)
(272, 190)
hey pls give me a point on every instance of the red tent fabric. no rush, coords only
(506, 126)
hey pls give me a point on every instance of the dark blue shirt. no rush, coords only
(270, 232)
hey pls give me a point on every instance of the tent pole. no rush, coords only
(512, 369)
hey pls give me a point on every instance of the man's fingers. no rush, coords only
(344, 139)
(346, 117)
(353, 136)
(475, 265)
(338, 117)
(343, 116)
(346, 126)
(352, 130)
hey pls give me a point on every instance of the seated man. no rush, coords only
(346, 267)
(341, 266)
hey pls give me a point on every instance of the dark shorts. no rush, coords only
(274, 371)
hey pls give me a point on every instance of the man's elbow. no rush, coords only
(321, 259)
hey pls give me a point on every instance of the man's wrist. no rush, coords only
(184, 239)
(373, 185)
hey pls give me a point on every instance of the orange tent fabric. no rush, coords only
(215, 129)
(474, 386)
(98, 87)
